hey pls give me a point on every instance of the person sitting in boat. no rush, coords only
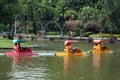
(95, 46)
(98, 46)
(15, 47)
(68, 48)
(20, 48)
(74, 49)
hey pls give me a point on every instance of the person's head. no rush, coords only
(18, 43)
(15, 43)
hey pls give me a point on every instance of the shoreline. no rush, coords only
(84, 39)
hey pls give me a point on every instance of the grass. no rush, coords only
(104, 35)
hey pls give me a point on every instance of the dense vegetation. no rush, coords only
(60, 16)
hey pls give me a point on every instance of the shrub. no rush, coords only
(33, 36)
(10, 36)
(87, 34)
(90, 39)
(112, 39)
(52, 33)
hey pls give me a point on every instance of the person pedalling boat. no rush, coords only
(20, 47)
(15, 48)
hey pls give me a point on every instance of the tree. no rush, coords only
(109, 17)
(8, 9)
(87, 14)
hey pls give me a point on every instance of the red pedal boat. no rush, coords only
(25, 51)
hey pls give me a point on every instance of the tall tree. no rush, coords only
(8, 9)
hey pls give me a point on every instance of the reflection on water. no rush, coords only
(96, 65)
(23, 68)
(46, 66)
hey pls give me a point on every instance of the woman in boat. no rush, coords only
(99, 47)
(15, 47)
(68, 48)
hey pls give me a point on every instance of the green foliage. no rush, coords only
(3, 27)
(86, 34)
(104, 12)
(8, 8)
(71, 14)
(10, 36)
(89, 13)
(52, 33)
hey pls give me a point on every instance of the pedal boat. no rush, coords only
(99, 48)
(25, 52)
(69, 51)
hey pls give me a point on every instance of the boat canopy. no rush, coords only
(18, 41)
(69, 42)
(98, 41)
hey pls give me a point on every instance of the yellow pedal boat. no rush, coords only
(70, 51)
(99, 48)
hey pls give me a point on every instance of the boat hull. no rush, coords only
(67, 54)
(71, 54)
(26, 52)
(100, 52)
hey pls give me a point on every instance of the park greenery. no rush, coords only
(57, 17)
(9, 44)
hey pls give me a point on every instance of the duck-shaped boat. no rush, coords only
(99, 48)
(71, 51)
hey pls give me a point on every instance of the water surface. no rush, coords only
(46, 66)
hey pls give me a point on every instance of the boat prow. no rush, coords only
(107, 50)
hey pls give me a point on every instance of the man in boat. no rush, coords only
(21, 48)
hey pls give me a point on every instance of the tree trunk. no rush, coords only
(32, 19)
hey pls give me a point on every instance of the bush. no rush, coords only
(20, 36)
(87, 34)
(112, 39)
(33, 36)
(52, 33)
(3, 27)
(90, 39)
(10, 36)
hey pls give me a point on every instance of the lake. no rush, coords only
(46, 66)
